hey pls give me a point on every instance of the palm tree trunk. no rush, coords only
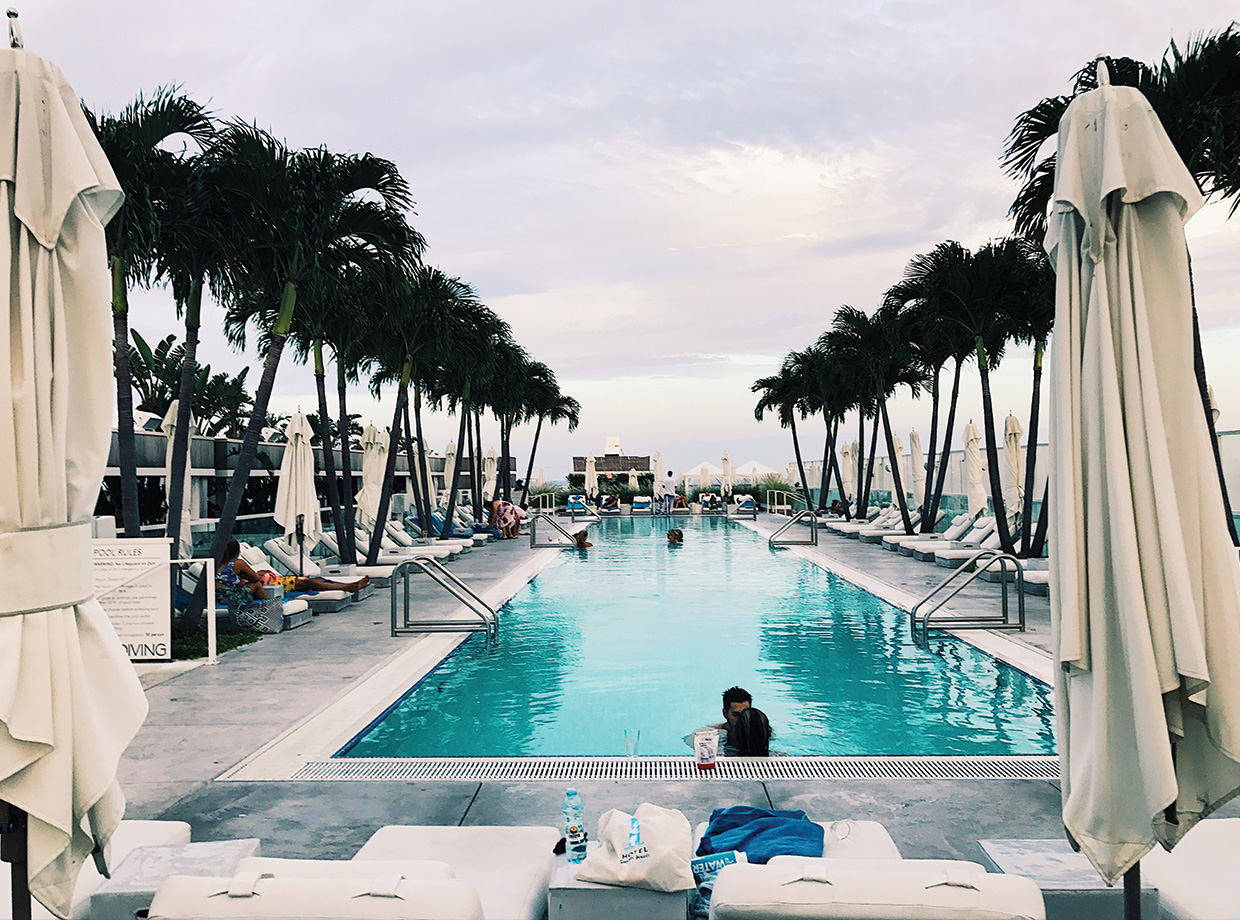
(927, 519)
(414, 485)
(249, 449)
(469, 435)
(127, 458)
(1031, 449)
(947, 443)
(796, 446)
(479, 512)
(325, 439)
(346, 468)
(835, 465)
(423, 472)
(505, 445)
(389, 472)
(185, 408)
(869, 473)
(896, 485)
(1039, 538)
(824, 482)
(529, 470)
(857, 506)
(455, 472)
(992, 453)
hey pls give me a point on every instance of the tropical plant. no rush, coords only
(220, 401)
(558, 408)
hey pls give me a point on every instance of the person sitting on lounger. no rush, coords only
(610, 503)
(679, 501)
(238, 580)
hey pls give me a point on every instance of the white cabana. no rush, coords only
(591, 477)
(974, 472)
(1145, 602)
(705, 473)
(917, 460)
(295, 493)
(754, 472)
(374, 465)
(185, 538)
(70, 701)
(728, 476)
(1013, 468)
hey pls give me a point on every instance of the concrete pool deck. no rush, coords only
(205, 721)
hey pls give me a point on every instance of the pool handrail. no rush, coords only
(981, 561)
(778, 539)
(776, 503)
(548, 544)
(488, 616)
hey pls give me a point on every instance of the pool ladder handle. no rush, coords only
(556, 543)
(775, 538)
(981, 561)
(488, 616)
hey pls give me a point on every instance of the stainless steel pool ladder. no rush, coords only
(585, 512)
(488, 617)
(554, 542)
(733, 512)
(778, 538)
(981, 561)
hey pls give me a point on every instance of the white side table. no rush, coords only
(569, 899)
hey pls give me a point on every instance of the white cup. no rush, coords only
(706, 747)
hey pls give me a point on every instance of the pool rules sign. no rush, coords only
(132, 585)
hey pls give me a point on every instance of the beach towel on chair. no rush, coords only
(761, 833)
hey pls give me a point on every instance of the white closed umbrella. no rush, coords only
(1013, 468)
(1145, 600)
(490, 475)
(847, 473)
(632, 478)
(185, 539)
(374, 466)
(974, 478)
(70, 701)
(297, 501)
(728, 479)
(703, 477)
(659, 473)
(449, 463)
(899, 464)
(591, 485)
(541, 479)
(918, 461)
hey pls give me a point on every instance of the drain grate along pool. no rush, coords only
(559, 769)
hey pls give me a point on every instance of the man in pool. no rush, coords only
(735, 701)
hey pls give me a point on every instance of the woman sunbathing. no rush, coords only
(237, 579)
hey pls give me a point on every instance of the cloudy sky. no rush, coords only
(662, 198)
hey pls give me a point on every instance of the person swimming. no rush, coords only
(675, 537)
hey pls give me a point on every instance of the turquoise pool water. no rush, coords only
(639, 635)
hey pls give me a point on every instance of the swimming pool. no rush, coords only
(634, 634)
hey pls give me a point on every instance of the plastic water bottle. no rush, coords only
(574, 809)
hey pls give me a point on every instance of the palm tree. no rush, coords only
(553, 406)
(785, 393)
(306, 220)
(132, 142)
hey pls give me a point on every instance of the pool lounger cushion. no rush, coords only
(805, 888)
(292, 561)
(510, 867)
(316, 601)
(1038, 582)
(254, 896)
(128, 837)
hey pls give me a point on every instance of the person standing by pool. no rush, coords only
(669, 492)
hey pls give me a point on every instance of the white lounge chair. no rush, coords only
(608, 510)
(876, 534)
(579, 504)
(982, 528)
(642, 504)
(956, 558)
(318, 601)
(808, 888)
(380, 575)
(898, 542)
(291, 559)
(878, 518)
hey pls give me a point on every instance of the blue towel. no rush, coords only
(761, 833)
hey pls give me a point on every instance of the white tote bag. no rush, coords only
(649, 849)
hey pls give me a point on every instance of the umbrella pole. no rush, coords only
(13, 850)
(1132, 893)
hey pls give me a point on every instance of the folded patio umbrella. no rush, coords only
(918, 460)
(449, 463)
(974, 479)
(847, 473)
(296, 498)
(185, 539)
(1013, 468)
(1145, 598)
(70, 701)
(591, 474)
(374, 466)
(659, 473)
